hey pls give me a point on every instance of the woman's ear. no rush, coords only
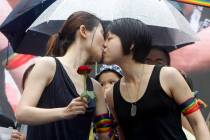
(83, 31)
(132, 47)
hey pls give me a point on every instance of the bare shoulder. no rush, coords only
(169, 73)
(45, 66)
(45, 61)
(170, 79)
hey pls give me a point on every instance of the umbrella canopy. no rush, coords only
(12, 91)
(6, 122)
(21, 18)
(171, 30)
(196, 2)
(5, 10)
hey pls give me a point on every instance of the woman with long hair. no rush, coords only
(51, 103)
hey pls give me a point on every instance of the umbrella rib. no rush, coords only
(62, 1)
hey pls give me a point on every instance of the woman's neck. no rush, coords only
(75, 56)
(132, 70)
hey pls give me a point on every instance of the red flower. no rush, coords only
(84, 70)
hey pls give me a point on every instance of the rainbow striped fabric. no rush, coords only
(103, 123)
(196, 2)
(189, 106)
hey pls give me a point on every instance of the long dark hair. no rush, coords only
(59, 42)
(132, 32)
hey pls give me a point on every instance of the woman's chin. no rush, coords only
(95, 60)
(107, 61)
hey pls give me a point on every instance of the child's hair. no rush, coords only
(25, 75)
(109, 68)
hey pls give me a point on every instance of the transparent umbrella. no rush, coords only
(168, 27)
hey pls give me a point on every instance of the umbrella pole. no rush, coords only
(7, 55)
(96, 68)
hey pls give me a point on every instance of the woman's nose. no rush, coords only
(105, 44)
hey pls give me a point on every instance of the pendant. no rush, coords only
(133, 110)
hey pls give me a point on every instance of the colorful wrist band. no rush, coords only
(189, 106)
(103, 123)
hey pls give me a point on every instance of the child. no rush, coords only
(108, 76)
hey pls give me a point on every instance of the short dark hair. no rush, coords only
(132, 31)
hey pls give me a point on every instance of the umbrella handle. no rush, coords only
(18, 126)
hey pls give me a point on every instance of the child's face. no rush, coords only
(108, 79)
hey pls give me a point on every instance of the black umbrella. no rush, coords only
(40, 34)
(6, 121)
(21, 18)
(7, 117)
(168, 26)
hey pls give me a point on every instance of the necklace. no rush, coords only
(133, 110)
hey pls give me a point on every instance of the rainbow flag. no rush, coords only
(205, 3)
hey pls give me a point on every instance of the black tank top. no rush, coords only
(158, 116)
(59, 93)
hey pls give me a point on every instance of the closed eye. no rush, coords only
(109, 38)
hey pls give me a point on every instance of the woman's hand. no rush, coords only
(76, 107)
(16, 135)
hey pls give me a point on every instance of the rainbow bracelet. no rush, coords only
(189, 106)
(103, 123)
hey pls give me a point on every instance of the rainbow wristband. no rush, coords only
(103, 123)
(189, 106)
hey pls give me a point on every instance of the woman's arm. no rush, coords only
(178, 89)
(110, 103)
(101, 107)
(40, 77)
(186, 124)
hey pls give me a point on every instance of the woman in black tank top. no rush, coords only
(51, 104)
(148, 100)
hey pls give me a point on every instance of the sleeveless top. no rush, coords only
(59, 93)
(158, 116)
